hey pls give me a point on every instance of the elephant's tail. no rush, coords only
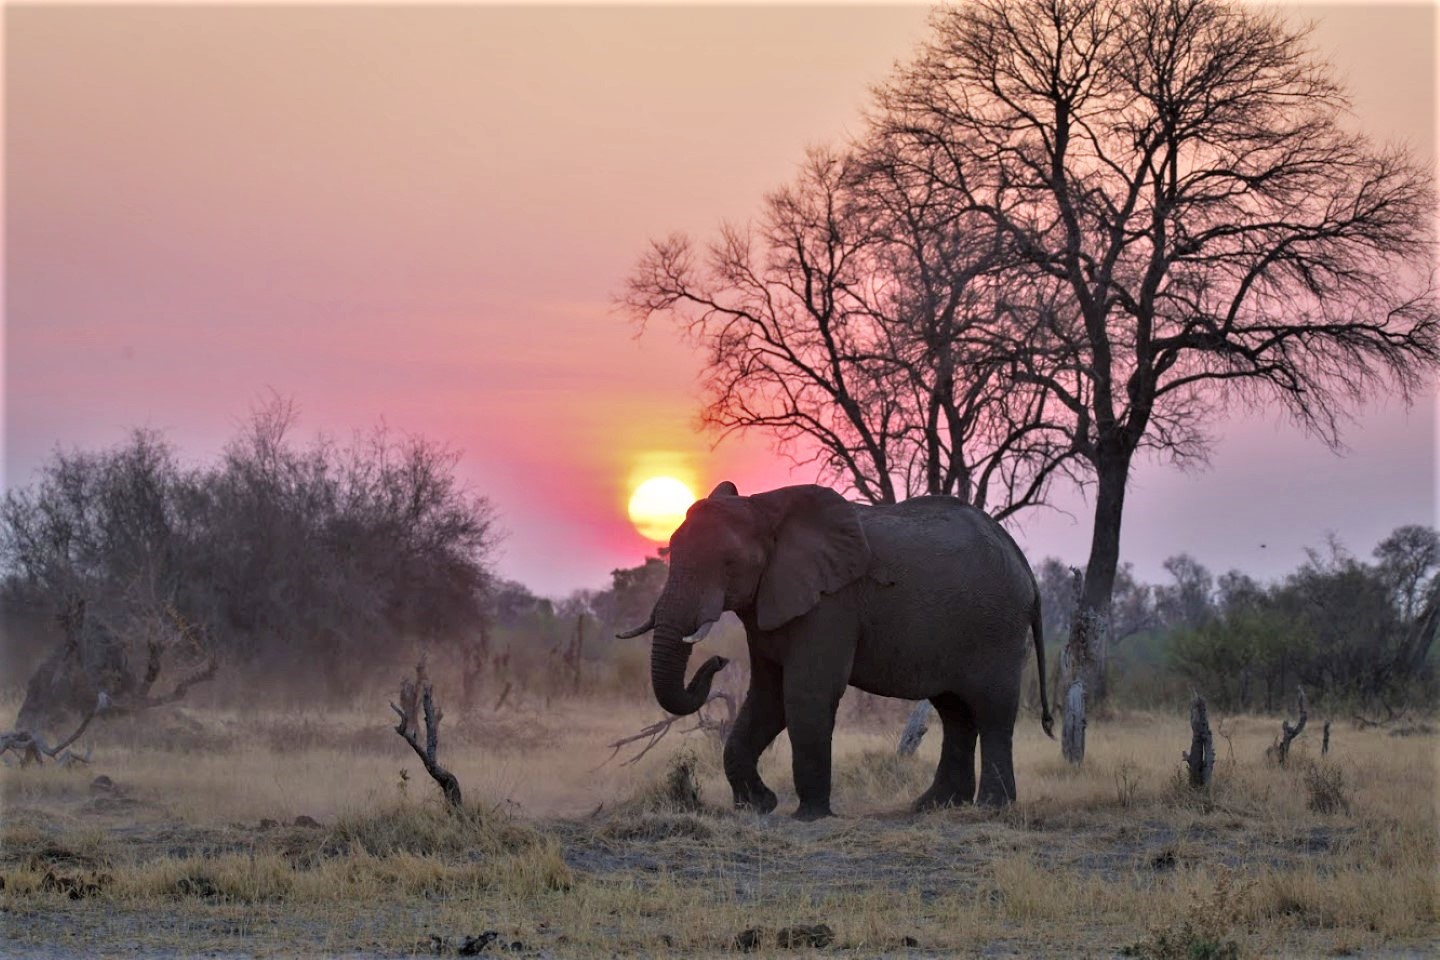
(1037, 629)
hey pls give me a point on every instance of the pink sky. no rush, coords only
(421, 215)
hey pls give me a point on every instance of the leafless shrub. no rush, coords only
(1325, 788)
(296, 561)
(1127, 783)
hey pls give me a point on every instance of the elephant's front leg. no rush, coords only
(811, 721)
(761, 719)
(814, 684)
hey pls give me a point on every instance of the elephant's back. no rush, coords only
(948, 590)
(938, 541)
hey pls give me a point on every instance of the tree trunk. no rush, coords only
(1112, 473)
(1078, 672)
(915, 729)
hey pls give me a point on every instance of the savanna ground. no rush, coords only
(196, 846)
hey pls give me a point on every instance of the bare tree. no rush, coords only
(1198, 223)
(855, 325)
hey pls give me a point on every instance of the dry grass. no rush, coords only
(1318, 856)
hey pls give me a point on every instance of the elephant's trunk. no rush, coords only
(668, 659)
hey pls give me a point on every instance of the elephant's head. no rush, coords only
(771, 555)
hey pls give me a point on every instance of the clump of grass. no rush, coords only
(679, 790)
(653, 825)
(1401, 901)
(535, 872)
(40, 847)
(429, 829)
(268, 877)
(1206, 931)
(1325, 788)
(235, 878)
(670, 805)
(882, 775)
(676, 790)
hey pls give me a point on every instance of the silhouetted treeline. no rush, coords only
(1353, 632)
(301, 562)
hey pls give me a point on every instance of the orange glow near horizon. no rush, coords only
(658, 506)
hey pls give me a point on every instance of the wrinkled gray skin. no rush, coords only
(929, 598)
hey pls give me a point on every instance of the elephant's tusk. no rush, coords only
(645, 627)
(700, 634)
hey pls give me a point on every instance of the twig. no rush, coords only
(1391, 716)
(1220, 731)
(656, 731)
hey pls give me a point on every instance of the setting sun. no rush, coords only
(658, 506)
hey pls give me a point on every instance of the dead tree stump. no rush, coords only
(1280, 750)
(1201, 757)
(1325, 739)
(416, 696)
(915, 729)
(1081, 664)
(1072, 732)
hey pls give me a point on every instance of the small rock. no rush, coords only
(748, 940)
(102, 784)
(471, 946)
(806, 935)
(306, 821)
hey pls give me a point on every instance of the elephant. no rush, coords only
(929, 598)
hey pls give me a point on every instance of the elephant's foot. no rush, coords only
(940, 798)
(757, 797)
(996, 790)
(993, 797)
(813, 811)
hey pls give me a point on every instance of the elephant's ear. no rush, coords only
(819, 547)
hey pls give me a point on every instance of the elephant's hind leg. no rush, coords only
(760, 721)
(997, 766)
(955, 776)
